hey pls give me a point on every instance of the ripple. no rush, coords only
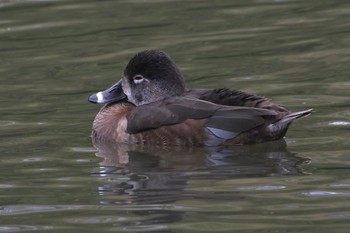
(145, 228)
(338, 123)
(325, 193)
(11, 3)
(23, 228)
(7, 123)
(5, 186)
(83, 149)
(36, 26)
(25, 209)
(264, 188)
(340, 185)
(33, 159)
(99, 220)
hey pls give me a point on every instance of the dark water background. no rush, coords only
(53, 54)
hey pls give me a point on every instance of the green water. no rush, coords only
(53, 54)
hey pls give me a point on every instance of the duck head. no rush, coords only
(148, 77)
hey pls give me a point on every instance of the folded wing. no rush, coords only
(223, 122)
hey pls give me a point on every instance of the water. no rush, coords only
(53, 54)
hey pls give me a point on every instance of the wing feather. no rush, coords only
(225, 122)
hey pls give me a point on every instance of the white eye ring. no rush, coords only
(138, 79)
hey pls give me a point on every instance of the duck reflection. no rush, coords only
(153, 170)
(152, 182)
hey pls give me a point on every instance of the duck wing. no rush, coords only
(224, 122)
(229, 97)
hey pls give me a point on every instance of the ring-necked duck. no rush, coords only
(150, 105)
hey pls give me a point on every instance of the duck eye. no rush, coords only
(138, 79)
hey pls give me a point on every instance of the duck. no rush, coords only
(150, 105)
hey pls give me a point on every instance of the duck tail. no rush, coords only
(278, 129)
(295, 115)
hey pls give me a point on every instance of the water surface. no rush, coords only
(54, 54)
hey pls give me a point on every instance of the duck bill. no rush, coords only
(113, 94)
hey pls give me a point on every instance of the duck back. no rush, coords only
(229, 97)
